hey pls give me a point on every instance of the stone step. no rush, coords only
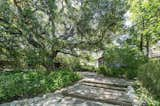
(98, 94)
(108, 101)
(105, 86)
(120, 85)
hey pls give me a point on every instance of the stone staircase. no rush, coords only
(92, 90)
(100, 89)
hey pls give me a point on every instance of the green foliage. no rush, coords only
(85, 68)
(105, 71)
(67, 61)
(33, 33)
(144, 95)
(145, 14)
(149, 75)
(124, 60)
(15, 85)
(108, 71)
(72, 63)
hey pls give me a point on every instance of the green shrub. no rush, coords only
(27, 84)
(144, 95)
(86, 68)
(102, 70)
(105, 71)
(149, 75)
(124, 60)
(68, 62)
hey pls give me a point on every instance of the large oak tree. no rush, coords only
(33, 32)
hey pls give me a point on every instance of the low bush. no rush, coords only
(144, 95)
(85, 68)
(20, 85)
(124, 61)
(105, 71)
(68, 62)
(149, 75)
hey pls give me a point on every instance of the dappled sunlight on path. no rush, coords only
(92, 90)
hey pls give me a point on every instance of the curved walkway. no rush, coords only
(92, 90)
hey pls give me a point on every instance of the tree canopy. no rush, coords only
(146, 20)
(33, 32)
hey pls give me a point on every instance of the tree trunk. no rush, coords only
(147, 45)
(141, 39)
(50, 64)
(141, 43)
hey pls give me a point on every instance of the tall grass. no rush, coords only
(149, 75)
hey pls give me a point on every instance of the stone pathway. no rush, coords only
(92, 90)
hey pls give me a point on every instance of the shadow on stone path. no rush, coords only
(92, 90)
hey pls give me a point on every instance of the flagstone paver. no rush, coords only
(92, 90)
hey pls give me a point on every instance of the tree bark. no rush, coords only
(50, 64)
(142, 36)
(147, 45)
(141, 42)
